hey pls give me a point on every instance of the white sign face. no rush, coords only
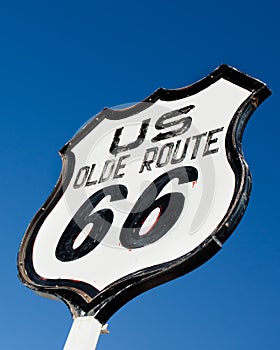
(146, 194)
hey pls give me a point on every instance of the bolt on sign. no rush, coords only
(146, 194)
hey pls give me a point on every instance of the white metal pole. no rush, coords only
(83, 334)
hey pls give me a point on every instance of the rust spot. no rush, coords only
(255, 101)
(194, 183)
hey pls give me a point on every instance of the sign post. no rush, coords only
(146, 195)
(84, 334)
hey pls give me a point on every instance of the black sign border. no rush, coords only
(82, 298)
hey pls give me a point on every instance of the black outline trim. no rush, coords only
(81, 297)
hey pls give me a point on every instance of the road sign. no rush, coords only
(146, 194)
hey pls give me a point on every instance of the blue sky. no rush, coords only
(61, 63)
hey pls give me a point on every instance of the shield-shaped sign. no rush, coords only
(147, 193)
